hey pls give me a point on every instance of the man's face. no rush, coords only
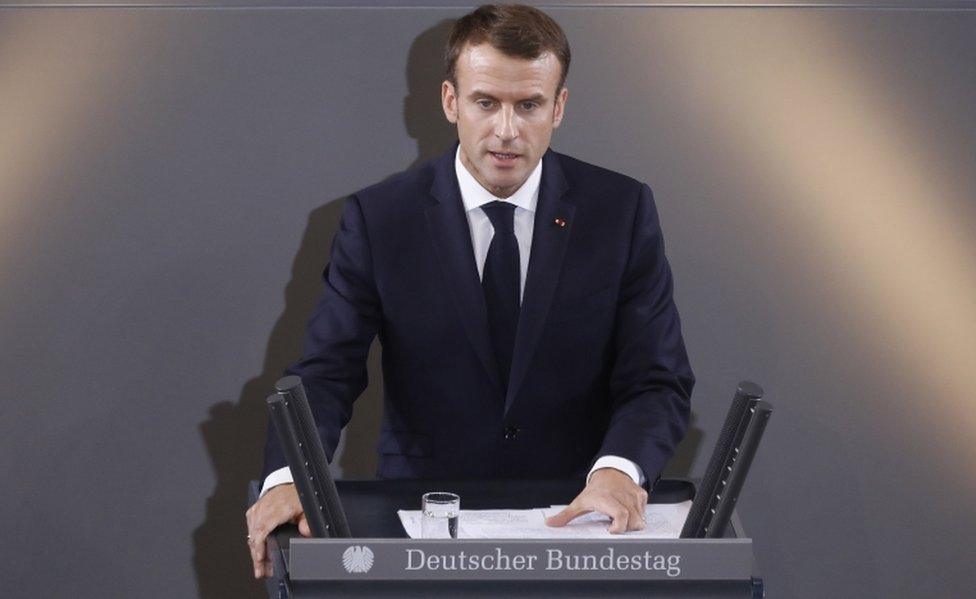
(505, 109)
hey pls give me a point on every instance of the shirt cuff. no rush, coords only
(278, 477)
(617, 463)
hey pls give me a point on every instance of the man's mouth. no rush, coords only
(504, 156)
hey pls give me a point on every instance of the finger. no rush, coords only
(303, 528)
(635, 519)
(258, 556)
(635, 514)
(635, 508)
(642, 508)
(621, 517)
(251, 517)
(254, 544)
(570, 512)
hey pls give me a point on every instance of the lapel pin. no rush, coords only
(560, 222)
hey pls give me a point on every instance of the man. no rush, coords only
(522, 298)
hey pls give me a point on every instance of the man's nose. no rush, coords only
(505, 126)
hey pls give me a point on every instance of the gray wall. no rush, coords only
(169, 185)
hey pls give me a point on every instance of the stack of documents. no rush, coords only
(664, 521)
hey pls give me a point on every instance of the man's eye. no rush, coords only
(527, 106)
(486, 104)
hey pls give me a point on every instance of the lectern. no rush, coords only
(369, 554)
(700, 568)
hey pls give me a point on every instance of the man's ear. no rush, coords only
(560, 107)
(449, 101)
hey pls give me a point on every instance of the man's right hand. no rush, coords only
(279, 505)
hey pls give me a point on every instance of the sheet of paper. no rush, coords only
(664, 521)
(483, 524)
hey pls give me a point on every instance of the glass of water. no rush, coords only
(439, 515)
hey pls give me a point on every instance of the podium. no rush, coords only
(381, 561)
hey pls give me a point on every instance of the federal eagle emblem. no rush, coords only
(357, 559)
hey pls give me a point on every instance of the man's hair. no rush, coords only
(512, 29)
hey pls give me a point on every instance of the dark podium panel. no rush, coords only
(371, 511)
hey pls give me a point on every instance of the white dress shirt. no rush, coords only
(474, 196)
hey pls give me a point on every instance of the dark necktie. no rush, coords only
(500, 281)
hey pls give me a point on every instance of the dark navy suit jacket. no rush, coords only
(599, 364)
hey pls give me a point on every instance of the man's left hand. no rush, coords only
(611, 492)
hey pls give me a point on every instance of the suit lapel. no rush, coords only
(549, 241)
(451, 235)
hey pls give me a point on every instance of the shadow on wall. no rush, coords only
(234, 433)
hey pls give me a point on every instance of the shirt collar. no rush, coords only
(473, 195)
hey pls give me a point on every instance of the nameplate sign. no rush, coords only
(468, 559)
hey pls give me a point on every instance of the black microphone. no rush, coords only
(729, 463)
(303, 450)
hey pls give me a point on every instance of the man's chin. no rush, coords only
(504, 188)
(507, 177)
